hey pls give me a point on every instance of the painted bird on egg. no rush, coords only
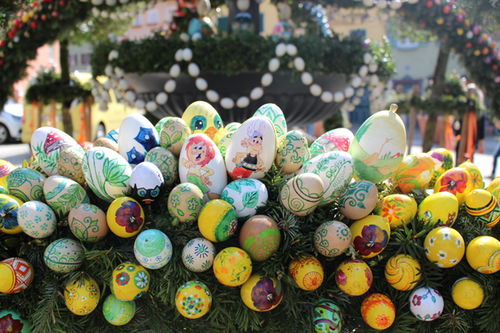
(146, 182)
(201, 117)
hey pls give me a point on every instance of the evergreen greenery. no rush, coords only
(48, 87)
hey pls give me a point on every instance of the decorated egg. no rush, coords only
(46, 145)
(495, 183)
(246, 195)
(414, 173)
(16, 274)
(456, 181)
(198, 255)
(275, 115)
(166, 162)
(483, 254)
(36, 219)
(484, 205)
(426, 303)
(114, 134)
(332, 238)
(106, 173)
(86, 145)
(370, 235)
(327, 317)
(397, 209)
(185, 202)
(3, 190)
(261, 293)
(125, 217)
(443, 160)
(193, 299)
(378, 311)
(174, 132)
(307, 272)
(159, 124)
(403, 272)
(225, 140)
(26, 184)
(129, 281)
(229, 128)
(217, 220)
(12, 321)
(5, 168)
(292, 152)
(63, 193)
(260, 237)
(146, 182)
(70, 163)
(107, 143)
(334, 169)
(152, 249)
(302, 194)
(82, 296)
(201, 164)
(232, 266)
(439, 208)
(444, 246)
(467, 293)
(358, 200)
(201, 117)
(378, 146)
(63, 255)
(9, 211)
(118, 312)
(333, 140)
(354, 277)
(137, 137)
(88, 223)
(476, 178)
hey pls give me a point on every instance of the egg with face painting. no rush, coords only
(275, 115)
(333, 140)
(146, 182)
(201, 117)
(137, 137)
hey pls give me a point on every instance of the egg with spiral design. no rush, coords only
(332, 238)
(359, 199)
(403, 272)
(302, 194)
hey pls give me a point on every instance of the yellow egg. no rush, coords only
(378, 311)
(354, 277)
(9, 207)
(307, 272)
(403, 272)
(370, 235)
(232, 266)
(201, 117)
(467, 293)
(193, 299)
(456, 181)
(261, 293)
(217, 220)
(475, 174)
(129, 281)
(444, 246)
(483, 254)
(82, 296)
(495, 183)
(125, 217)
(414, 173)
(443, 160)
(439, 208)
(484, 205)
(397, 209)
(5, 168)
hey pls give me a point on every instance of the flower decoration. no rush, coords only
(265, 295)
(9, 324)
(129, 216)
(373, 239)
(454, 182)
(122, 279)
(341, 277)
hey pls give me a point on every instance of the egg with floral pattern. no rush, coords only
(70, 163)
(370, 235)
(16, 274)
(9, 211)
(338, 139)
(476, 178)
(397, 209)
(332, 238)
(88, 223)
(82, 296)
(307, 272)
(63, 255)
(152, 249)
(193, 299)
(185, 202)
(403, 272)
(414, 173)
(129, 281)
(117, 312)
(354, 277)
(358, 200)
(198, 254)
(439, 208)
(457, 181)
(137, 137)
(5, 168)
(246, 195)
(327, 317)
(443, 161)
(426, 303)
(174, 131)
(261, 293)
(292, 152)
(483, 254)
(378, 311)
(274, 113)
(166, 163)
(26, 184)
(62, 194)
(444, 246)
(37, 219)
(232, 266)
(12, 321)
(125, 217)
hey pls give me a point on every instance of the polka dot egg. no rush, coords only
(37, 219)
(198, 254)
(153, 249)
(193, 299)
(444, 246)
(129, 281)
(82, 296)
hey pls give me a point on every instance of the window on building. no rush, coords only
(138, 21)
(358, 34)
(85, 59)
(152, 17)
(73, 60)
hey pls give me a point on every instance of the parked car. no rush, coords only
(10, 121)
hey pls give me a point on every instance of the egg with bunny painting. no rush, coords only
(146, 182)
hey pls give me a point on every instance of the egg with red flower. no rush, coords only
(129, 281)
(370, 235)
(125, 217)
(261, 293)
(11, 321)
(456, 181)
(426, 303)
(354, 277)
(397, 209)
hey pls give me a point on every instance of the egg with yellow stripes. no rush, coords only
(484, 205)
(403, 272)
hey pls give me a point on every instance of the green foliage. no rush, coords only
(48, 87)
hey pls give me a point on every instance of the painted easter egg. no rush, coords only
(261, 293)
(201, 164)
(327, 317)
(302, 194)
(152, 249)
(484, 206)
(5, 168)
(217, 221)
(198, 254)
(483, 254)
(173, 133)
(354, 277)
(166, 162)
(334, 169)
(292, 152)
(46, 145)
(88, 223)
(456, 181)
(106, 173)
(137, 137)
(201, 117)
(378, 311)
(275, 115)
(332, 238)
(494, 184)
(63, 193)
(397, 209)
(12, 321)
(444, 246)
(476, 177)
(403, 272)
(227, 138)
(193, 299)
(246, 195)
(358, 200)
(426, 303)
(146, 182)
(159, 124)
(467, 293)
(70, 163)
(118, 312)
(439, 208)
(114, 134)
(443, 160)
(3, 190)
(9, 211)
(252, 150)
(26, 184)
(260, 237)
(16, 274)
(82, 296)
(63, 255)
(106, 142)
(232, 266)
(333, 140)
(185, 202)
(414, 173)
(86, 145)
(125, 217)
(129, 281)
(370, 235)
(36, 219)
(307, 272)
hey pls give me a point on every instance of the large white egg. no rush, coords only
(36, 219)
(62, 194)
(137, 137)
(146, 182)
(198, 254)
(336, 139)
(246, 195)
(152, 249)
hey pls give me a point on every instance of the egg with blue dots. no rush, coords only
(137, 137)
(146, 182)
(201, 117)
(198, 254)
(152, 249)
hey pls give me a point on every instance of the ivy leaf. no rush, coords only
(114, 173)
